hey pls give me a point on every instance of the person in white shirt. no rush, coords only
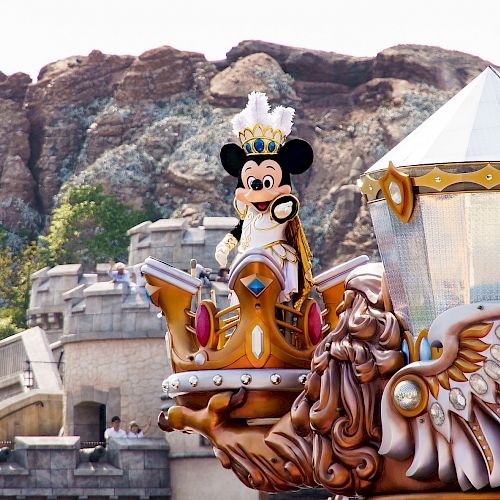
(114, 431)
(119, 274)
(137, 433)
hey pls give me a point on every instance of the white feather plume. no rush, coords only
(282, 119)
(257, 111)
(239, 122)
(258, 108)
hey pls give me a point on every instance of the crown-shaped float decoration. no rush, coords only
(260, 131)
(258, 344)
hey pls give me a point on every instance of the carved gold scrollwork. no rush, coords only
(467, 359)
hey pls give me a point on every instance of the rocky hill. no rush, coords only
(149, 128)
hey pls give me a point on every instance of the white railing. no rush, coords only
(12, 356)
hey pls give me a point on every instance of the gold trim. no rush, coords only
(437, 178)
(241, 215)
(266, 134)
(487, 177)
(430, 166)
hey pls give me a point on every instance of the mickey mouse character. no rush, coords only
(268, 211)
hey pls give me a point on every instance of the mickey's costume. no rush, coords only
(268, 211)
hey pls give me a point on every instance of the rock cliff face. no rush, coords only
(149, 128)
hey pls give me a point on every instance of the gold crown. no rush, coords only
(258, 344)
(261, 140)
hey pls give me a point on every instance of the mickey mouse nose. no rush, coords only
(256, 185)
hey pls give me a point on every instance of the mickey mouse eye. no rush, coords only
(249, 181)
(268, 182)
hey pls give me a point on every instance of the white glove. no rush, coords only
(221, 253)
(283, 210)
(223, 248)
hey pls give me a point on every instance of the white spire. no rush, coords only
(465, 129)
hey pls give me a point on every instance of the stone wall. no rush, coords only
(46, 308)
(125, 375)
(176, 241)
(55, 468)
(30, 386)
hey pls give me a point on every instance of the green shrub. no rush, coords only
(7, 327)
(88, 227)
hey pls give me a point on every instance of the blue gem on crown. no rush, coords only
(256, 287)
(258, 145)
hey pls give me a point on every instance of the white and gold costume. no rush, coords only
(261, 231)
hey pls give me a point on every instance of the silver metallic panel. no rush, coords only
(447, 255)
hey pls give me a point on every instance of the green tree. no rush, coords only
(88, 227)
(7, 328)
(15, 286)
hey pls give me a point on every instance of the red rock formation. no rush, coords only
(149, 128)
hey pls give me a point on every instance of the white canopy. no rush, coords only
(465, 129)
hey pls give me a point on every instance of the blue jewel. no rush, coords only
(248, 147)
(271, 146)
(425, 350)
(256, 287)
(258, 145)
(406, 352)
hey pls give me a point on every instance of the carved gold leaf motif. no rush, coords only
(467, 356)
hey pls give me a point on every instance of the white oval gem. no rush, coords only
(495, 351)
(457, 398)
(200, 358)
(478, 383)
(407, 395)
(492, 369)
(395, 192)
(437, 414)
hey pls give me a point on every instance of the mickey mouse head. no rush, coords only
(264, 178)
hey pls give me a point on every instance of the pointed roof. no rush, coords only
(465, 129)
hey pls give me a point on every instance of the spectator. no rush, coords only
(119, 274)
(203, 273)
(137, 433)
(114, 431)
(223, 275)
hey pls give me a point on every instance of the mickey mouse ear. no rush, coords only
(232, 158)
(296, 156)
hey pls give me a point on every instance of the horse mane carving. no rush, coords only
(340, 406)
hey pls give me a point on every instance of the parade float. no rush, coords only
(373, 380)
